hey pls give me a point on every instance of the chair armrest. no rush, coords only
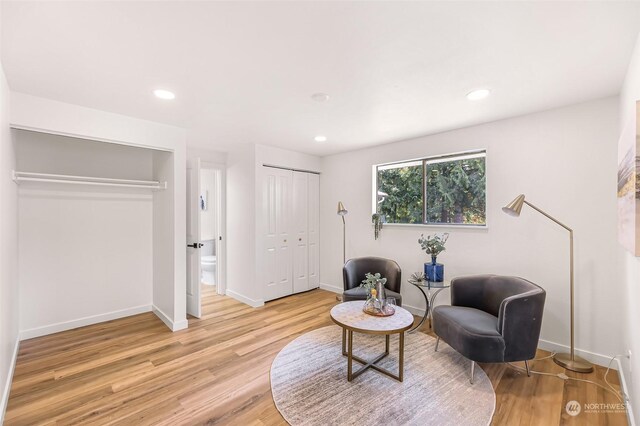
(519, 322)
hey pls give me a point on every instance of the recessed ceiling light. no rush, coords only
(320, 97)
(320, 138)
(476, 95)
(164, 94)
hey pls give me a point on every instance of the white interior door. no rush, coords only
(193, 238)
(300, 207)
(276, 209)
(314, 231)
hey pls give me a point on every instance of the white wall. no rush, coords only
(208, 155)
(45, 115)
(9, 319)
(85, 252)
(562, 160)
(241, 261)
(208, 188)
(629, 264)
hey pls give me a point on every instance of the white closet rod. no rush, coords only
(86, 180)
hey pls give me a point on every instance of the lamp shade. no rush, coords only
(341, 210)
(514, 207)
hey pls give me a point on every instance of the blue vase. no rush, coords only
(434, 271)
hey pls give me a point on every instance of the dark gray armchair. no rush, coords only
(492, 318)
(354, 271)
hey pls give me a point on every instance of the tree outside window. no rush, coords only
(442, 190)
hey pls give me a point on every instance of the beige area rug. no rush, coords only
(309, 384)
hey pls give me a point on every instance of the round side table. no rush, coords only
(350, 317)
(426, 287)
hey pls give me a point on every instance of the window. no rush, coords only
(438, 190)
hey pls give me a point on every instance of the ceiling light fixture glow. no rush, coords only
(476, 95)
(164, 94)
(320, 97)
(320, 138)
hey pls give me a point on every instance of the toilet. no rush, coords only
(208, 262)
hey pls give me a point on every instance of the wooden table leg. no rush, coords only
(344, 341)
(349, 355)
(401, 360)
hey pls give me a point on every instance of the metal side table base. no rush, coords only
(429, 300)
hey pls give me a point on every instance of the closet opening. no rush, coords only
(96, 234)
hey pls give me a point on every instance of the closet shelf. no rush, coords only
(87, 180)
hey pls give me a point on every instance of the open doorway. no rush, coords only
(205, 235)
(211, 232)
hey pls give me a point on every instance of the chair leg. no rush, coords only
(526, 364)
(437, 343)
(473, 367)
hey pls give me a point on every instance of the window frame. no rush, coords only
(483, 152)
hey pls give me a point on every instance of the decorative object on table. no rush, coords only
(492, 318)
(376, 299)
(308, 377)
(342, 212)
(355, 269)
(377, 221)
(569, 361)
(433, 245)
(418, 278)
(629, 185)
(378, 306)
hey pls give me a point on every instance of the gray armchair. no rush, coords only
(492, 318)
(354, 271)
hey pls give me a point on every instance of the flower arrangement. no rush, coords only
(434, 244)
(371, 280)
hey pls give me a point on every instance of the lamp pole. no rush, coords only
(344, 241)
(569, 361)
(343, 212)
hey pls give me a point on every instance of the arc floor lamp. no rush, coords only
(569, 361)
(342, 212)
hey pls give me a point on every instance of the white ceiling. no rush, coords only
(244, 72)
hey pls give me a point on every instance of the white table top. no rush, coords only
(351, 316)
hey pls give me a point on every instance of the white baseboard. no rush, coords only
(331, 288)
(244, 299)
(7, 386)
(625, 390)
(596, 358)
(173, 325)
(81, 322)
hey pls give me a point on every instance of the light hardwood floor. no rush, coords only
(135, 371)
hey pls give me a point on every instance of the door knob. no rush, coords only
(299, 239)
(195, 245)
(285, 241)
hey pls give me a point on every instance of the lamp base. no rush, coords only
(577, 364)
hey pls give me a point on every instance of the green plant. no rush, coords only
(376, 219)
(371, 280)
(433, 245)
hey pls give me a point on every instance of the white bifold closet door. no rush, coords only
(290, 216)
(277, 240)
(300, 222)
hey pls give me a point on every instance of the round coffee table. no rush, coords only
(350, 317)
